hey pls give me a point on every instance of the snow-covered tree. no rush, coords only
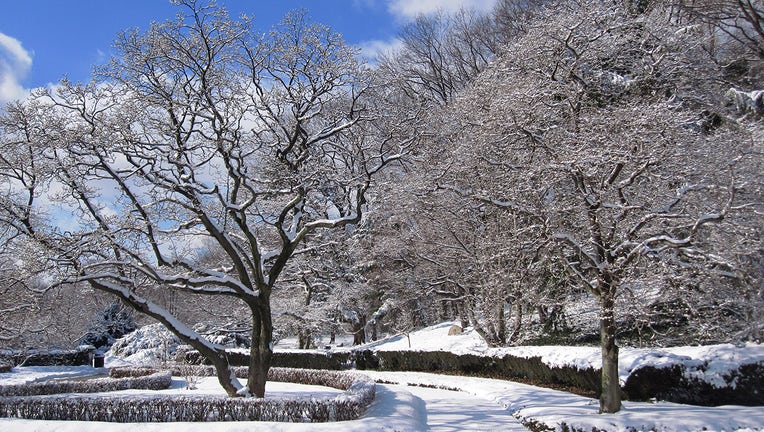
(110, 324)
(200, 135)
(602, 131)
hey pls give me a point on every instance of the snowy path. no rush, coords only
(561, 411)
(455, 411)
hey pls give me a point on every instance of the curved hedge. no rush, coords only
(359, 392)
(327, 378)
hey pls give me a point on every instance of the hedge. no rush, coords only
(508, 367)
(672, 383)
(745, 386)
(359, 392)
(326, 360)
(154, 381)
(334, 379)
(76, 357)
(176, 409)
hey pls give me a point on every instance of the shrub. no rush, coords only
(177, 409)
(131, 372)
(507, 367)
(359, 393)
(76, 357)
(331, 360)
(155, 381)
(151, 343)
(674, 383)
(112, 323)
(5, 365)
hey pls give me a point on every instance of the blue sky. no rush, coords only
(41, 41)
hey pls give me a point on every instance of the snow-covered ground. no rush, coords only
(479, 404)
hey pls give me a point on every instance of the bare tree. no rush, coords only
(197, 137)
(738, 20)
(590, 131)
(440, 54)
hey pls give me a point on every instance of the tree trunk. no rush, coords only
(517, 323)
(610, 398)
(304, 338)
(226, 376)
(215, 354)
(261, 351)
(501, 332)
(359, 332)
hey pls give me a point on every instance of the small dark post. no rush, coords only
(98, 360)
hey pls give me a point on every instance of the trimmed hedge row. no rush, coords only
(359, 392)
(531, 368)
(131, 372)
(76, 357)
(745, 386)
(155, 381)
(325, 360)
(326, 378)
(176, 409)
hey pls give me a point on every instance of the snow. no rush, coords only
(30, 374)
(708, 363)
(555, 408)
(147, 345)
(479, 403)
(434, 338)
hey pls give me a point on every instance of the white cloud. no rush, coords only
(373, 48)
(409, 9)
(15, 63)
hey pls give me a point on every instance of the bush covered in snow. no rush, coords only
(683, 384)
(177, 409)
(112, 323)
(585, 380)
(328, 378)
(152, 344)
(228, 335)
(149, 344)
